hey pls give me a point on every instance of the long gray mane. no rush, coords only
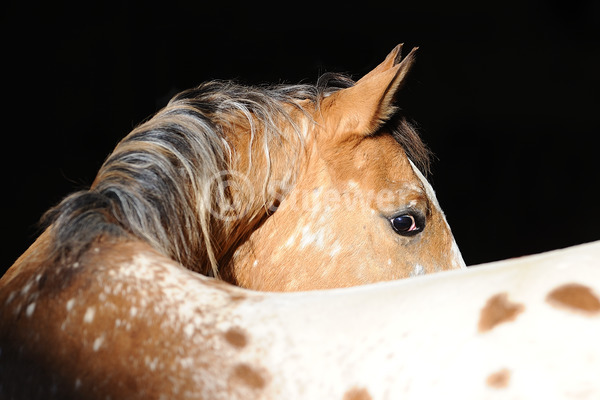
(164, 180)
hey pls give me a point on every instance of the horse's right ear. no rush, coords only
(361, 109)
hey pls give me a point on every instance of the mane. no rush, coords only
(165, 182)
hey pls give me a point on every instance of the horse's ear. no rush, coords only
(363, 108)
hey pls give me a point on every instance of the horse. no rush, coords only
(228, 189)
(110, 301)
(284, 188)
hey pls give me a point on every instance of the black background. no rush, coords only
(507, 96)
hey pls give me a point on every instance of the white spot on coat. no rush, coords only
(70, 304)
(10, 298)
(26, 288)
(98, 343)
(335, 249)
(151, 363)
(89, 315)
(30, 309)
(418, 270)
(189, 330)
(290, 241)
(312, 238)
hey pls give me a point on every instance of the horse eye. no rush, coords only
(407, 224)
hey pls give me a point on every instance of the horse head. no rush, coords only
(359, 210)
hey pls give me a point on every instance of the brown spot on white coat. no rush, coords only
(248, 376)
(236, 337)
(498, 309)
(575, 297)
(499, 379)
(357, 394)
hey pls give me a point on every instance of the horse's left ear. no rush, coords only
(361, 109)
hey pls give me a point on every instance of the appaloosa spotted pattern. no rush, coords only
(105, 305)
(143, 327)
